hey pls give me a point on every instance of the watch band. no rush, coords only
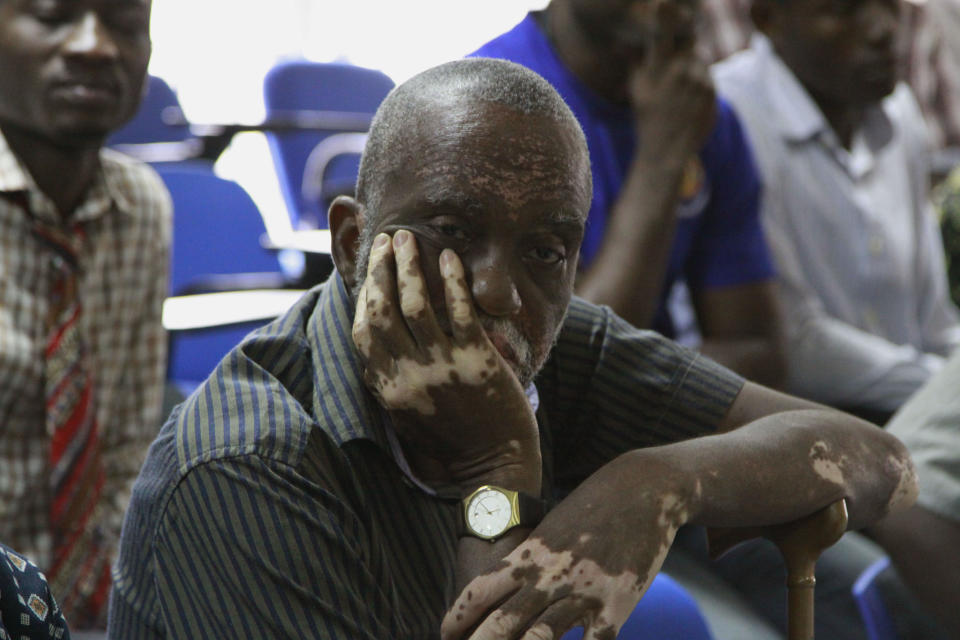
(532, 509)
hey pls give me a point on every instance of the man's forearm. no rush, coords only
(788, 465)
(759, 358)
(836, 363)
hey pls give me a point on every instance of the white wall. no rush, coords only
(215, 53)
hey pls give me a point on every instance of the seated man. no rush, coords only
(923, 540)
(320, 484)
(841, 148)
(675, 193)
(84, 255)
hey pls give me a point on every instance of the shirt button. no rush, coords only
(877, 245)
(57, 262)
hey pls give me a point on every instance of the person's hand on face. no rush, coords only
(451, 394)
(588, 563)
(670, 90)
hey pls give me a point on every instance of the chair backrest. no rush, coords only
(877, 621)
(148, 124)
(216, 227)
(666, 612)
(316, 86)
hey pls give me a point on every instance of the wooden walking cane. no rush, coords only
(800, 543)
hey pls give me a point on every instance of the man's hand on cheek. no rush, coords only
(451, 396)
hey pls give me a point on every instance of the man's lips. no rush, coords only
(86, 91)
(502, 345)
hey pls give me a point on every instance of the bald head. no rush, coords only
(457, 87)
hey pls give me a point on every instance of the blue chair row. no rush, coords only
(301, 85)
(666, 612)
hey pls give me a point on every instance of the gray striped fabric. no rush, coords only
(270, 505)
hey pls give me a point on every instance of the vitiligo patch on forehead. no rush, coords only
(515, 166)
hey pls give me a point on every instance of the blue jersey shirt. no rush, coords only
(719, 241)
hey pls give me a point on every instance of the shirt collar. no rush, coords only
(800, 119)
(107, 191)
(796, 114)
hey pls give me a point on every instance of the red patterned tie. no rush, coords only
(80, 573)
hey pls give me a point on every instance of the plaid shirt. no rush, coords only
(929, 54)
(123, 265)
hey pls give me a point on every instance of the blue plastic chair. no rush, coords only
(879, 625)
(666, 612)
(217, 229)
(148, 124)
(314, 86)
(216, 247)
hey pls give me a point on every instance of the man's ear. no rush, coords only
(345, 219)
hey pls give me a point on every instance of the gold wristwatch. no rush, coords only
(491, 511)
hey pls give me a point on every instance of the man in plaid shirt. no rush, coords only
(84, 251)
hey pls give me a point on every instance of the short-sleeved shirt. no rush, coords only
(272, 504)
(718, 240)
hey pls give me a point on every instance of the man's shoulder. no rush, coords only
(903, 110)
(516, 44)
(258, 399)
(740, 81)
(142, 187)
(737, 69)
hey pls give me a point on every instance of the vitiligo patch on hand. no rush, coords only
(412, 289)
(559, 573)
(409, 387)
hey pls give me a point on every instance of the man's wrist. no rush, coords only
(515, 466)
(524, 482)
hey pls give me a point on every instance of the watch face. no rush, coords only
(489, 512)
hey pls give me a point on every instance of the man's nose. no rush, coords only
(494, 288)
(90, 38)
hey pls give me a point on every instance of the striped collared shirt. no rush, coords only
(123, 268)
(271, 505)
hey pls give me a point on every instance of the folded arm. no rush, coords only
(593, 557)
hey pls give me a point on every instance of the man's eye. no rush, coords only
(129, 19)
(51, 12)
(454, 231)
(547, 255)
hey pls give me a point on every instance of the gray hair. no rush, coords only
(393, 128)
(481, 79)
